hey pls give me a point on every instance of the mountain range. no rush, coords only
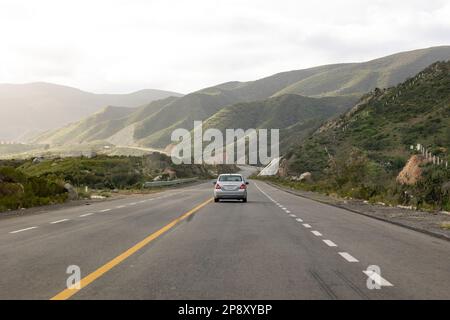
(298, 102)
(29, 108)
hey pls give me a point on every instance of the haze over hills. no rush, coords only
(102, 125)
(151, 125)
(33, 107)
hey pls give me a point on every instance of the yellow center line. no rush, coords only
(67, 293)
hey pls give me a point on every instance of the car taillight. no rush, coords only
(243, 186)
(218, 186)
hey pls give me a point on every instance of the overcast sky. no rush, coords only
(122, 46)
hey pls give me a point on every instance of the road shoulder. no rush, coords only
(88, 202)
(424, 222)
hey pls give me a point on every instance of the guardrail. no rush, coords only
(168, 183)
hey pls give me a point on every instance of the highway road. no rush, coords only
(178, 244)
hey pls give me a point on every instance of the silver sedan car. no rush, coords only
(230, 186)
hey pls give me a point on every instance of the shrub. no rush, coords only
(17, 190)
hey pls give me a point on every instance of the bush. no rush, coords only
(17, 190)
(431, 190)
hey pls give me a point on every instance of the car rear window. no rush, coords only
(230, 178)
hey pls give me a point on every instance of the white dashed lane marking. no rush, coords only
(59, 221)
(292, 216)
(348, 257)
(330, 243)
(22, 230)
(87, 214)
(90, 213)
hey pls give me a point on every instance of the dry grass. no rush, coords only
(445, 225)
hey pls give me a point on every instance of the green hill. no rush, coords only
(74, 133)
(361, 153)
(360, 78)
(351, 80)
(294, 115)
(101, 125)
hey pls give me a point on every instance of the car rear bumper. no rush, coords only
(220, 194)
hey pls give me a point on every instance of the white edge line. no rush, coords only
(59, 221)
(86, 214)
(21, 230)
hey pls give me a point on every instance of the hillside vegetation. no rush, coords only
(102, 125)
(361, 153)
(28, 183)
(19, 190)
(108, 172)
(296, 116)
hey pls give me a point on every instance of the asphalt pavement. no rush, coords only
(178, 244)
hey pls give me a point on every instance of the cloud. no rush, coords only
(120, 46)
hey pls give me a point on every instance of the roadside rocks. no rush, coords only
(304, 177)
(446, 187)
(412, 172)
(170, 172)
(38, 160)
(283, 168)
(73, 194)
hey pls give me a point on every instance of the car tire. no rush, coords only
(216, 200)
(244, 200)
